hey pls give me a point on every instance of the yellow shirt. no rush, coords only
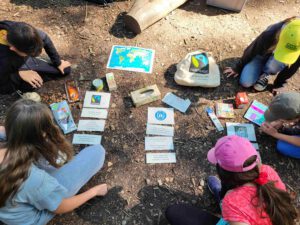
(3, 34)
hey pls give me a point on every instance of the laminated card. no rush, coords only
(255, 113)
(178, 103)
(94, 113)
(159, 130)
(245, 130)
(86, 139)
(94, 99)
(161, 158)
(159, 143)
(158, 115)
(91, 125)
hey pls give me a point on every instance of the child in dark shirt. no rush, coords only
(20, 44)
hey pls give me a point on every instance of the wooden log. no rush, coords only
(144, 13)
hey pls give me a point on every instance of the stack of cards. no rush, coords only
(95, 109)
(160, 133)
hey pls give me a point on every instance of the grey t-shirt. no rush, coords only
(37, 197)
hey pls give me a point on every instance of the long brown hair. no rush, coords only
(276, 203)
(277, 35)
(31, 134)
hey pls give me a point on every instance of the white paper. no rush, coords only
(160, 158)
(159, 143)
(94, 113)
(86, 139)
(91, 125)
(178, 103)
(94, 99)
(160, 130)
(158, 115)
(245, 130)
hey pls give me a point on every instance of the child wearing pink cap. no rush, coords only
(251, 193)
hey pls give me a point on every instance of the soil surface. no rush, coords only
(84, 34)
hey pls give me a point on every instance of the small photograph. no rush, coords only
(96, 99)
(245, 130)
(241, 131)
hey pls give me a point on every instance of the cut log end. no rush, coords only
(132, 24)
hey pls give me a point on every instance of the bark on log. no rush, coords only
(144, 13)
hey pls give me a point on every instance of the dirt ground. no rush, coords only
(84, 34)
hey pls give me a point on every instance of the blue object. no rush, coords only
(131, 58)
(214, 185)
(209, 110)
(160, 115)
(222, 222)
(256, 67)
(46, 187)
(288, 149)
(63, 116)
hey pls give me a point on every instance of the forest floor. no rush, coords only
(84, 34)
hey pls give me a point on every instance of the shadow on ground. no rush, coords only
(153, 201)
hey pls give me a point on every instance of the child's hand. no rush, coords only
(277, 124)
(100, 190)
(268, 129)
(64, 64)
(230, 72)
(31, 77)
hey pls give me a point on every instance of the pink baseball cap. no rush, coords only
(231, 152)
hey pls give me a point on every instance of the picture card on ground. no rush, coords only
(91, 125)
(94, 113)
(160, 130)
(161, 158)
(159, 143)
(255, 113)
(245, 130)
(178, 103)
(131, 58)
(63, 116)
(94, 99)
(224, 110)
(86, 139)
(158, 115)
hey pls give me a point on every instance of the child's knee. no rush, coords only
(67, 71)
(245, 84)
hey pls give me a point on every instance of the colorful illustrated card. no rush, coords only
(94, 99)
(224, 110)
(159, 115)
(255, 113)
(199, 63)
(63, 116)
(131, 58)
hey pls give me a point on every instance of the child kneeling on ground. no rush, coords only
(20, 44)
(33, 182)
(251, 193)
(283, 123)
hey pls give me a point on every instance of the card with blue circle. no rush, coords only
(159, 115)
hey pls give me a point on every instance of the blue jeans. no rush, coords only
(256, 67)
(288, 149)
(74, 174)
